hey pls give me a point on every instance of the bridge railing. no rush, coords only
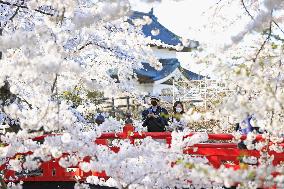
(225, 153)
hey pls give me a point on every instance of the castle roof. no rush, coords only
(164, 35)
(150, 75)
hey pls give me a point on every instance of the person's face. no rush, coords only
(178, 106)
(154, 102)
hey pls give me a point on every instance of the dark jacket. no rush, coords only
(249, 127)
(155, 124)
(245, 131)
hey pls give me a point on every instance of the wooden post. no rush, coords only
(215, 161)
(127, 130)
(113, 108)
(169, 141)
(128, 102)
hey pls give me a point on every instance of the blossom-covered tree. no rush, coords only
(61, 47)
(251, 63)
(52, 46)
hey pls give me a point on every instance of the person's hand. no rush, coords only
(169, 129)
(151, 115)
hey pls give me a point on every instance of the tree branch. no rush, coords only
(268, 36)
(269, 33)
(265, 41)
(278, 76)
(11, 18)
(274, 22)
(218, 2)
(24, 100)
(54, 83)
(1, 30)
(87, 44)
(243, 3)
(62, 16)
(116, 52)
(42, 12)
(25, 7)
(15, 13)
(12, 4)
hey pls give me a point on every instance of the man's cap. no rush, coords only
(155, 97)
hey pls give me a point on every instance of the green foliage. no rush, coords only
(251, 175)
(94, 95)
(261, 63)
(72, 97)
(79, 95)
(187, 165)
(274, 46)
(243, 68)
